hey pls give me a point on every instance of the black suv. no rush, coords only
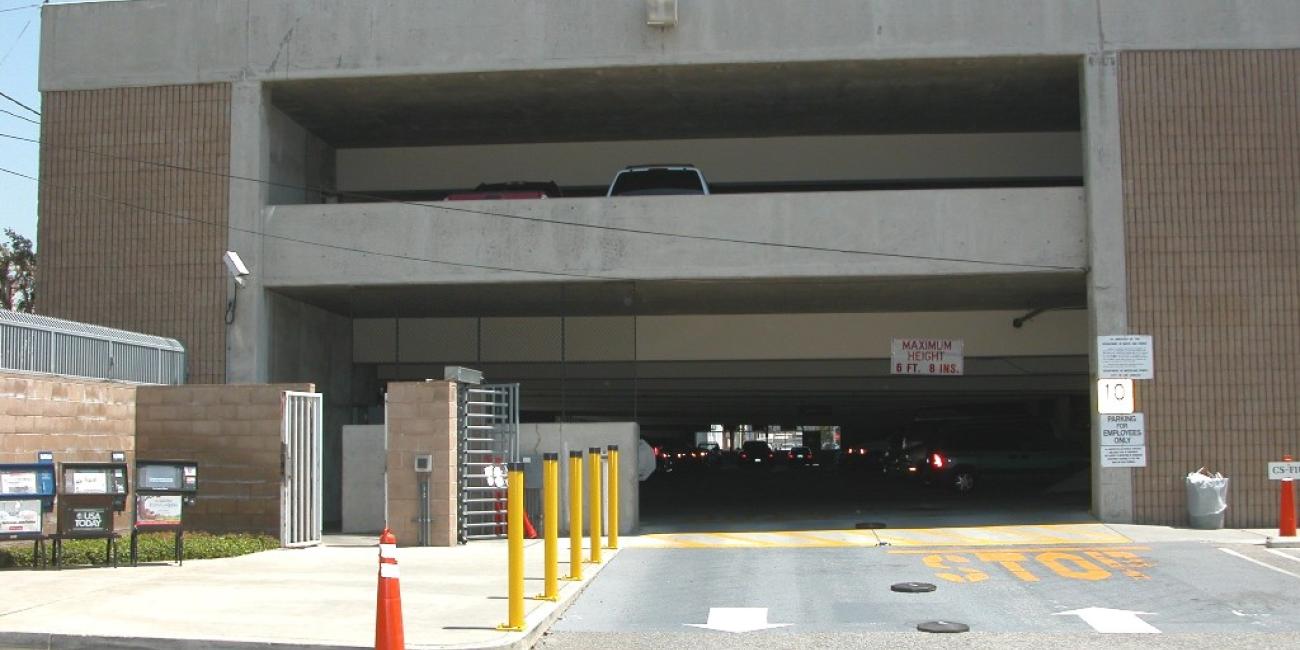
(756, 453)
(962, 453)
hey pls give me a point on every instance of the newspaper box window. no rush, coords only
(90, 495)
(26, 495)
(163, 488)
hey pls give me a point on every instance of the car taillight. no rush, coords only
(771, 456)
(744, 456)
(808, 456)
(937, 460)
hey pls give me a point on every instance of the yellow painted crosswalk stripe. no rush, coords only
(974, 536)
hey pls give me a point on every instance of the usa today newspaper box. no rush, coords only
(91, 493)
(162, 490)
(26, 495)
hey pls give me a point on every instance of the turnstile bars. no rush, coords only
(488, 438)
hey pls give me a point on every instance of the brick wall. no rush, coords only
(233, 431)
(1211, 167)
(422, 420)
(132, 245)
(80, 421)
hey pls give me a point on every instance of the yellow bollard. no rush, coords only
(551, 521)
(612, 473)
(575, 516)
(515, 537)
(593, 490)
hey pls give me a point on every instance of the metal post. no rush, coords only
(612, 473)
(551, 523)
(593, 492)
(515, 535)
(575, 516)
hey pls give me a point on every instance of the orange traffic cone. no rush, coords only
(529, 531)
(389, 633)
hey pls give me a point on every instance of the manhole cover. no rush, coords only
(869, 525)
(943, 627)
(912, 587)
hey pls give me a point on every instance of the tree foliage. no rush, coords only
(17, 273)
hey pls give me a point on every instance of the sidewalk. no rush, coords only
(321, 597)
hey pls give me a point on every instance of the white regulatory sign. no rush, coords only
(1115, 396)
(1279, 471)
(1125, 357)
(926, 357)
(1117, 456)
(1124, 430)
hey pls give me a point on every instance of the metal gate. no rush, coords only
(300, 469)
(488, 438)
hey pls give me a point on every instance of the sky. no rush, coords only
(20, 37)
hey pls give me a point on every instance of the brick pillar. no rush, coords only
(422, 421)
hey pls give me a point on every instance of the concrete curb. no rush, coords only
(1282, 542)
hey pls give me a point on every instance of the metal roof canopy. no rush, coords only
(42, 344)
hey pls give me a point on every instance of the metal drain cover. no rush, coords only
(943, 627)
(912, 587)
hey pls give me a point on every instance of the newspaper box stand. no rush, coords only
(90, 493)
(26, 495)
(162, 490)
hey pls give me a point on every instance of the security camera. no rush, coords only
(236, 267)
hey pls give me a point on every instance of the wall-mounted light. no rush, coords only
(661, 13)
(239, 273)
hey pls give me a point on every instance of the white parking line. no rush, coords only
(1281, 554)
(1263, 564)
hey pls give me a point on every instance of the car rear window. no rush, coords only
(657, 181)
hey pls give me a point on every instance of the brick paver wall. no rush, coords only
(233, 431)
(1211, 167)
(80, 421)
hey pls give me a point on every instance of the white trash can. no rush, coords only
(1207, 499)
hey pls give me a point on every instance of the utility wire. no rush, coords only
(540, 220)
(38, 113)
(16, 40)
(21, 117)
(349, 249)
(5, 11)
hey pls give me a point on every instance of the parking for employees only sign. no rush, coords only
(1123, 440)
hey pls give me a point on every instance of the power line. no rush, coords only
(21, 117)
(540, 220)
(5, 11)
(410, 258)
(38, 113)
(17, 38)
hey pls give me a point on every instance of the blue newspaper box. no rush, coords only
(27, 492)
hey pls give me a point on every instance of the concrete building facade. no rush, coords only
(882, 169)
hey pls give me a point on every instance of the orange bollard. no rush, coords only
(1286, 520)
(389, 634)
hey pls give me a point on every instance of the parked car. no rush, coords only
(641, 180)
(799, 457)
(679, 458)
(511, 190)
(756, 453)
(710, 453)
(964, 454)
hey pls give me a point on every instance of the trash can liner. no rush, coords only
(1207, 500)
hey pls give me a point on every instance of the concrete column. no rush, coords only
(1112, 489)
(248, 337)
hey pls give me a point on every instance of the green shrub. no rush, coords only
(153, 547)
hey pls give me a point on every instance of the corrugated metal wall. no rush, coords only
(132, 245)
(1211, 165)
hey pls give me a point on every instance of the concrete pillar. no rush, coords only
(248, 337)
(1112, 489)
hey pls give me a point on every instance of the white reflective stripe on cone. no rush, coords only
(388, 550)
(389, 571)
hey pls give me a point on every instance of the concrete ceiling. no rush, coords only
(817, 295)
(1011, 94)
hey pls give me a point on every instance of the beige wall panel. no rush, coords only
(437, 339)
(521, 339)
(599, 338)
(133, 213)
(854, 336)
(1211, 164)
(374, 340)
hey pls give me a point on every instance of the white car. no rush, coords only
(643, 180)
